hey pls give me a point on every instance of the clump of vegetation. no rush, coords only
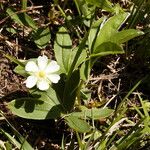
(72, 74)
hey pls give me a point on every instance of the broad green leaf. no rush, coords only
(110, 28)
(107, 48)
(104, 44)
(94, 113)
(22, 18)
(64, 53)
(21, 71)
(104, 4)
(42, 37)
(67, 90)
(70, 90)
(62, 49)
(78, 124)
(125, 35)
(42, 105)
(31, 108)
(104, 49)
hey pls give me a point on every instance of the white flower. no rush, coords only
(42, 73)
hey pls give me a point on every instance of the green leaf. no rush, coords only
(28, 21)
(78, 54)
(94, 113)
(110, 28)
(67, 90)
(22, 18)
(24, 145)
(11, 139)
(21, 71)
(42, 37)
(13, 59)
(42, 105)
(8, 145)
(81, 58)
(132, 137)
(107, 48)
(85, 94)
(14, 16)
(87, 11)
(78, 124)
(62, 49)
(11, 30)
(125, 35)
(85, 70)
(70, 90)
(103, 4)
(103, 50)
(64, 53)
(93, 33)
(24, 4)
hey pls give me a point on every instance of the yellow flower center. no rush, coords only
(41, 74)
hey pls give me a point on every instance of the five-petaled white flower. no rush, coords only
(42, 73)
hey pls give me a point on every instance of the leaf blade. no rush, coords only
(42, 105)
(110, 28)
(42, 37)
(107, 48)
(104, 4)
(62, 49)
(78, 124)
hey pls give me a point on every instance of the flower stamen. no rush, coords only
(41, 74)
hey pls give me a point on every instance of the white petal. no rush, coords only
(54, 78)
(31, 81)
(52, 67)
(42, 62)
(31, 66)
(43, 85)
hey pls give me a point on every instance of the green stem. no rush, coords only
(134, 16)
(79, 141)
(24, 4)
(129, 93)
(81, 46)
(78, 92)
(62, 12)
(78, 9)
